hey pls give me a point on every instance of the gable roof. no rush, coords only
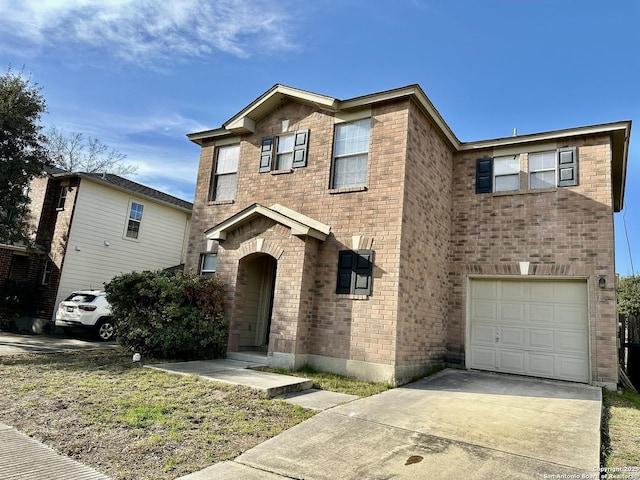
(300, 224)
(126, 185)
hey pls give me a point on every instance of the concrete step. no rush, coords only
(248, 356)
(238, 372)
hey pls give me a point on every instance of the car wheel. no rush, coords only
(105, 329)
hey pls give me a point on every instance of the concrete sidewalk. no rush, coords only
(24, 457)
(295, 390)
(456, 424)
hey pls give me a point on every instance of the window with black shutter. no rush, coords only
(284, 152)
(355, 272)
(484, 175)
(567, 167)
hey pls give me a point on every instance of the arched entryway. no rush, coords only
(258, 273)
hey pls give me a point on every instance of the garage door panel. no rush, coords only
(512, 336)
(571, 316)
(575, 342)
(484, 310)
(483, 358)
(541, 314)
(541, 339)
(483, 334)
(542, 365)
(572, 368)
(512, 290)
(541, 292)
(571, 292)
(512, 312)
(531, 326)
(485, 289)
(511, 361)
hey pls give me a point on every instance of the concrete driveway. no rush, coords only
(16, 343)
(456, 424)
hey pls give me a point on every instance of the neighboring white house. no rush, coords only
(96, 226)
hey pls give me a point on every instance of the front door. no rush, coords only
(257, 303)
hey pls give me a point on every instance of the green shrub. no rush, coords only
(169, 315)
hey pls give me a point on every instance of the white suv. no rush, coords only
(86, 309)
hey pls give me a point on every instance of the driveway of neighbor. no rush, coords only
(16, 343)
(456, 424)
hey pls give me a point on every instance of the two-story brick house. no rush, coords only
(362, 237)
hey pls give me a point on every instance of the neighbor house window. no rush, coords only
(350, 154)
(46, 275)
(290, 151)
(225, 177)
(506, 173)
(62, 198)
(208, 264)
(542, 170)
(135, 219)
(355, 272)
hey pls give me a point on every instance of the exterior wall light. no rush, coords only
(602, 282)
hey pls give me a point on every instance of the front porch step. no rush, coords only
(238, 372)
(260, 358)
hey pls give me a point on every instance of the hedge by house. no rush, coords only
(169, 315)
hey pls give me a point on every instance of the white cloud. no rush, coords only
(145, 31)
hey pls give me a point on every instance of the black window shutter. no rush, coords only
(567, 167)
(363, 272)
(346, 261)
(300, 146)
(266, 153)
(484, 175)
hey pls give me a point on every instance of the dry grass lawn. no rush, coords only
(624, 432)
(130, 422)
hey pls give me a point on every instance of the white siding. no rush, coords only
(100, 216)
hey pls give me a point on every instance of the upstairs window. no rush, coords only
(355, 272)
(290, 151)
(135, 219)
(225, 176)
(550, 169)
(62, 198)
(542, 170)
(46, 274)
(350, 154)
(506, 173)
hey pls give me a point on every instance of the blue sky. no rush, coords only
(140, 74)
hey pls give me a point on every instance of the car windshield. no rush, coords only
(80, 298)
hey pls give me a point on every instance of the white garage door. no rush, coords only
(538, 328)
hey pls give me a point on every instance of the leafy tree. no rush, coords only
(77, 153)
(628, 295)
(22, 152)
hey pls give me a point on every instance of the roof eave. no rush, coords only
(135, 193)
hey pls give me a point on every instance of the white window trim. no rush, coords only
(496, 176)
(554, 169)
(348, 155)
(130, 219)
(213, 190)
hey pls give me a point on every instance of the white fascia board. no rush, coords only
(607, 128)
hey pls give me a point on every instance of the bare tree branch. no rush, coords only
(77, 153)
